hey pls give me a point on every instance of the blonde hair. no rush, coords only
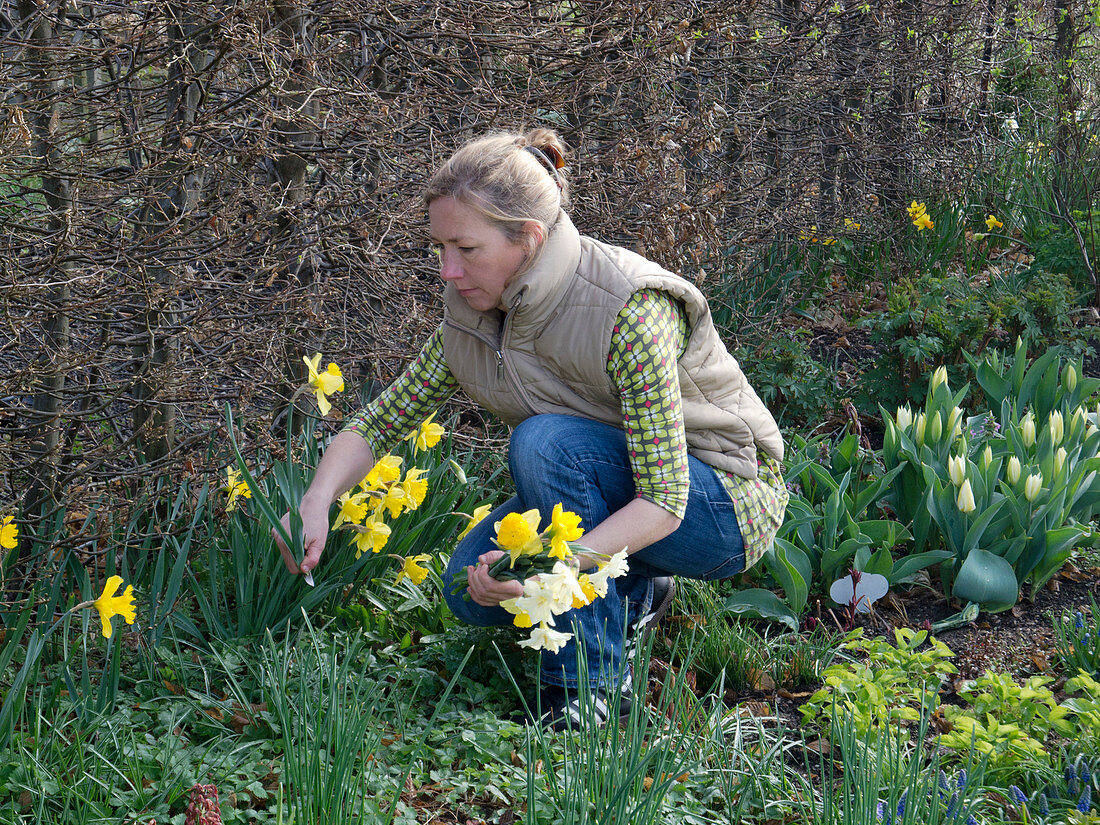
(507, 183)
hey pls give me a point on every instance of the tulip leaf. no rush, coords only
(793, 570)
(908, 565)
(762, 604)
(1057, 549)
(987, 580)
(974, 534)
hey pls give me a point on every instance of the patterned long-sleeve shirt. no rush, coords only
(648, 339)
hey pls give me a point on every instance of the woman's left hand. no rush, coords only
(484, 589)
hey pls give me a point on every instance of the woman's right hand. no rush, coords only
(314, 532)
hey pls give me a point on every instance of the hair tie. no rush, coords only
(552, 166)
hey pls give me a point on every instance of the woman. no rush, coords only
(626, 408)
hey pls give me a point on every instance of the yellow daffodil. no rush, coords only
(992, 223)
(518, 533)
(428, 434)
(394, 502)
(1012, 471)
(475, 519)
(1033, 486)
(384, 472)
(916, 209)
(565, 526)
(965, 499)
(353, 508)
(235, 487)
(324, 383)
(371, 535)
(922, 222)
(9, 533)
(110, 605)
(519, 618)
(415, 487)
(413, 569)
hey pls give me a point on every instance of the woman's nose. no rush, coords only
(449, 270)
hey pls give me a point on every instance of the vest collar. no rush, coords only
(534, 294)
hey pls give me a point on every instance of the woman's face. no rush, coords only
(473, 254)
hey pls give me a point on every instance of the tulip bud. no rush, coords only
(1012, 471)
(987, 457)
(956, 469)
(938, 377)
(904, 418)
(965, 499)
(1080, 419)
(1090, 431)
(1056, 426)
(935, 428)
(1027, 431)
(1069, 377)
(1033, 486)
(954, 422)
(1059, 460)
(918, 430)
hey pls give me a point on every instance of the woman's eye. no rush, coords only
(466, 248)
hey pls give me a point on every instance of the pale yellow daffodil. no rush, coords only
(544, 638)
(565, 526)
(235, 487)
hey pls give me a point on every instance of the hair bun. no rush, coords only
(549, 143)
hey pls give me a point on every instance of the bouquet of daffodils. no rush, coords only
(545, 563)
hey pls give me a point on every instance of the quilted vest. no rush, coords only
(548, 352)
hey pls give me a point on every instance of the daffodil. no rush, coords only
(394, 501)
(965, 499)
(1033, 486)
(324, 383)
(519, 618)
(518, 533)
(413, 570)
(992, 223)
(1012, 470)
(235, 487)
(9, 533)
(922, 222)
(562, 586)
(543, 638)
(537, 602)
(384, 472)
(852, 225)
(565, 526)
(110, 605)
(588, 590)
(427, 435)
(371, 535)
(353, 508)
(474, 520)
(414, 487)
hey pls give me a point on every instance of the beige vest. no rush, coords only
(548, 353)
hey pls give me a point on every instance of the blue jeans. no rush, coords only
(584, 464)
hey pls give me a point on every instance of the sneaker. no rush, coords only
(562, 710)
(664, 589)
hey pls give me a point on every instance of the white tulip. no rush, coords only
(1033, 486)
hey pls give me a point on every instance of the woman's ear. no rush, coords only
(533, 236)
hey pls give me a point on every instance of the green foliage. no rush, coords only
(789, 379)
(1077, 640)
(893, 684)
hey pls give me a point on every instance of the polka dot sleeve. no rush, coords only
(646, 343)
(419, 391)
